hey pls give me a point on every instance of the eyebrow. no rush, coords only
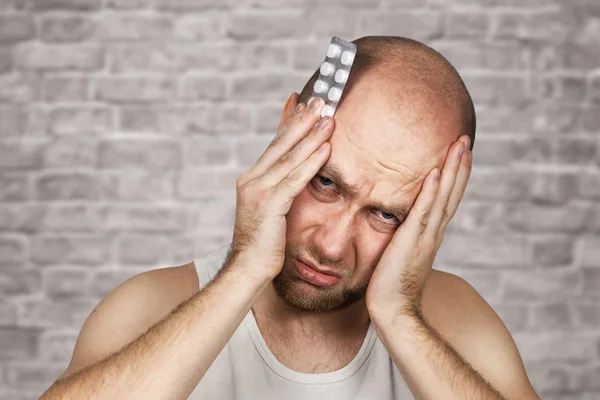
(336, 175)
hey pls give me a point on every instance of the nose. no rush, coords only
(334, 236)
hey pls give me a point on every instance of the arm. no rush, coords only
(458, 344)
(170, 358)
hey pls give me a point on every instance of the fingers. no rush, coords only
(296, 125)
(462, 179)
(419, 216)
(442, 210)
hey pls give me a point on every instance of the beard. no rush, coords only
(307, 297)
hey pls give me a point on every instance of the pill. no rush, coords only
(334, 94)
(333, 51)
(327, 68)
(341, 76)
(327, 110)
(320, 86)
(347, 57)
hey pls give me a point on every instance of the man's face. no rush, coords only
(384, 151)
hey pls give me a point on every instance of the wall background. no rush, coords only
(125, 123)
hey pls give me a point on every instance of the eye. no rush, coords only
(386, 216)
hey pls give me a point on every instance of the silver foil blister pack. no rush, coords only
(334, 73)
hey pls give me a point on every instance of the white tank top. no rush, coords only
(247, 370)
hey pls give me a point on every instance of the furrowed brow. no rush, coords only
(336, 175)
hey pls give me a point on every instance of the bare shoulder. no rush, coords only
(462, 317)
(129, 310)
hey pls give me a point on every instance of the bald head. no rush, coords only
(416, 82)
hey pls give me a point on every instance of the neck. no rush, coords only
(347, 323)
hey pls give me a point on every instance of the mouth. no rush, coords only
(317, 278)
(319, 270)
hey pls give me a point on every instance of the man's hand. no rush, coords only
(398, 281)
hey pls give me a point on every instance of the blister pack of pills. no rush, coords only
(334, 73)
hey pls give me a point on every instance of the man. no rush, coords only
(381, 323)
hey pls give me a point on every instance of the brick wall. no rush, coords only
(125, 123)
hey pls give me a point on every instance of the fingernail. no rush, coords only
(299, 108)
(322, 123)
(314, 104)
(461, 150)
(436, 174)
(468, 143)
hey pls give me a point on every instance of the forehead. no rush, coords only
(385, 148)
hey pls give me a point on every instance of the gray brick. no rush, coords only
(61, 283)
(486, 250)
(190, 5)
(269, 4)
(195, 183)
(591, 283)
(64, 313)
(70, 153)
(16, 28)
(588, 380)
(260, 87)
(14, 187)
(228, 120)
(20, 282)
(581, 56)
(539, 218)
(594, 86)
(8, 315)
(307, 56)
(496, 89)
(25, 218)
(80, 250)
(589, 251)
(56, 346)
(573, 88)
(419, 25)
(273, 25)
(546, 284)
(466, 24)
(127, 4)
(588, 185)
(267, 119)
(514, 316)
(19, 88)
(212, 212)
(66, 28)
(138, 185)
(587, 315)
(102, 283)
(23, 155)
(498, 185)
(194, 88)
(70, 218)
(140, 118)
(135, 89)
(12, 121)
(479, 217)
(18, 343)
(199, 27)
(484, 55)
(553, 188)
(67, 186)
(264, 57)
(552, 316)
(54, 57)
(143, 219)
(552, 252)
(552, 377)
(249, 149)
(148, 154)
(486, 282)
(566, 347)
(145, 250)
(328, 20)
(65, 88)
(29, 379)
(79, 120)
(186, 248)
(580, 151)
(209, 151)
(126, 27)
(6, 59)
(75, 5)
(176, 57)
